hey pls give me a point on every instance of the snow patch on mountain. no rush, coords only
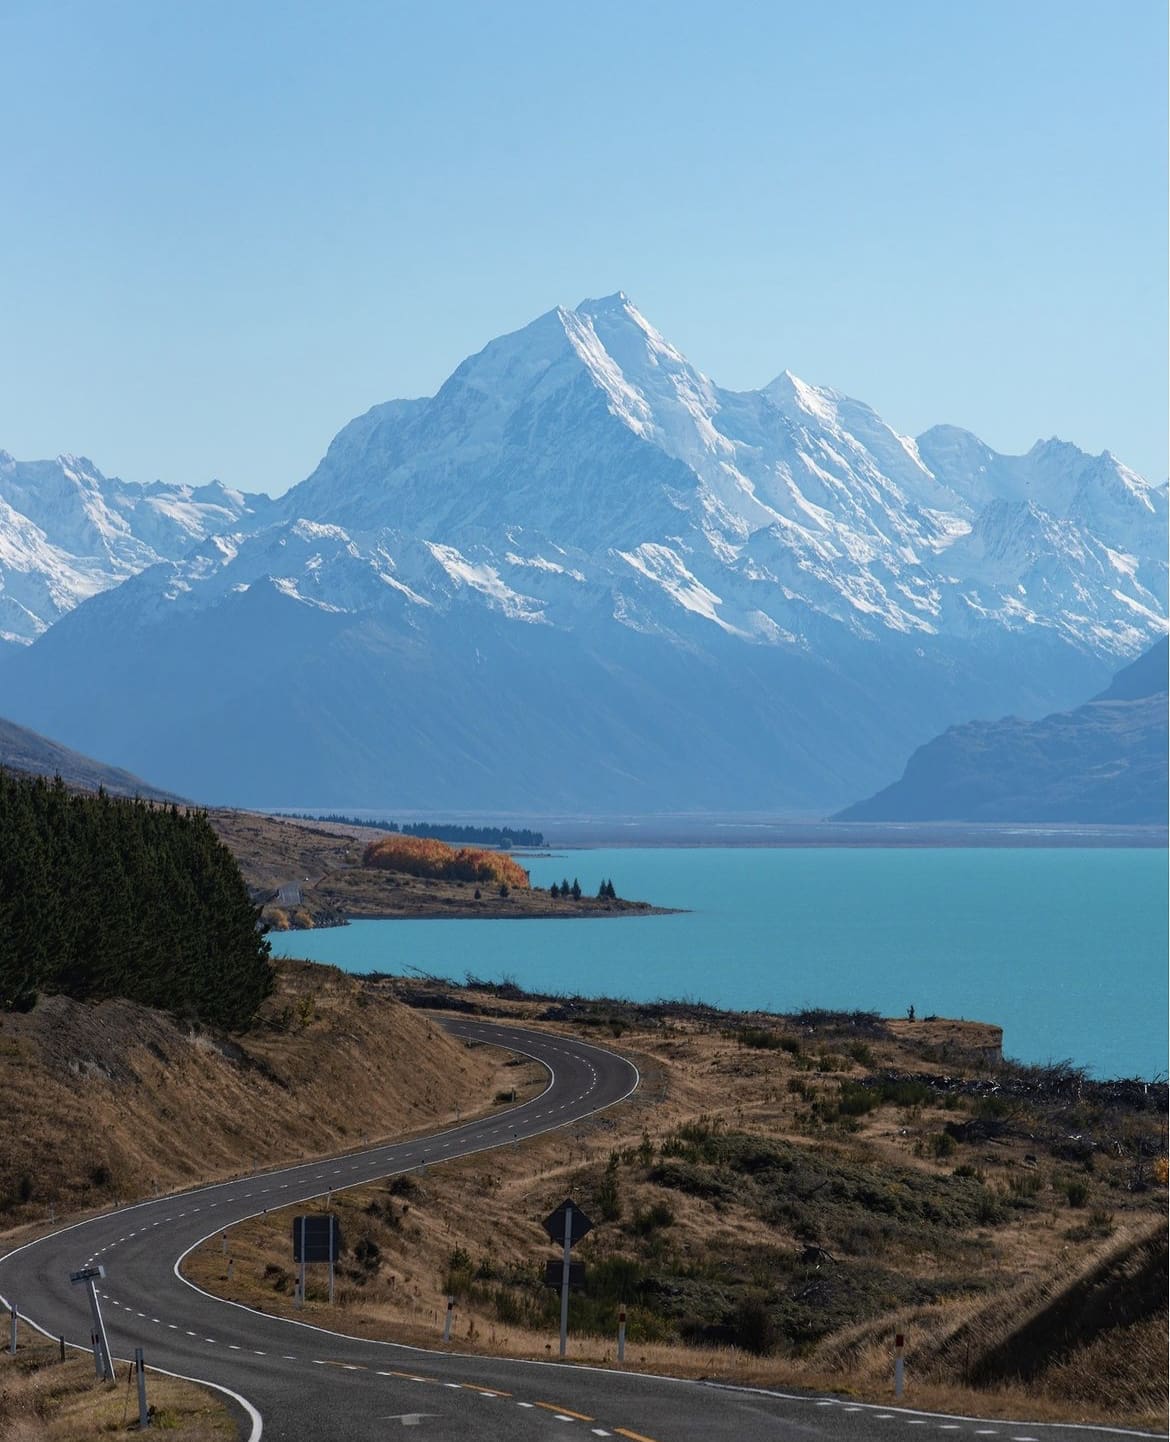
(485, 579)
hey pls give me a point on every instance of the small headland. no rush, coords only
(307, 874)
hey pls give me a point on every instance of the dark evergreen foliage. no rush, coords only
(101, 896)
(505, 839)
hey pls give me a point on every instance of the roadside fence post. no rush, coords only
(15, 1319)
(304, 1263)
(143, 1410)
(899, 1366)
(622, 1335)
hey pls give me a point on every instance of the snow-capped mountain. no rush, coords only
(588, 435)
(68, 532)
(582, 574)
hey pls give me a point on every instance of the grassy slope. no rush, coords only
(113, 1100)
(45, 1400)
(738, 1180)
(736, 1177)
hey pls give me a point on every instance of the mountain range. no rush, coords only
(580, 577)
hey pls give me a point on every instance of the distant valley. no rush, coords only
(580, 577)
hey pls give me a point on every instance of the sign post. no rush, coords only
(315, 1239)
(567, 1225)
(103, 1363)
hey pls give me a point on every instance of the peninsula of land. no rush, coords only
(304, 874)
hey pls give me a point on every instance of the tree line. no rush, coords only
(605, 891)
(104, 896)
(499, 836)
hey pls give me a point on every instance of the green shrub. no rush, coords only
(1077, 1192)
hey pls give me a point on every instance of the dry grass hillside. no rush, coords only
(43, 1399)
(780, 1197)
(115, 1100)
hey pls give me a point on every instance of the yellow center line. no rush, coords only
(568, 1412)
(633, 1436)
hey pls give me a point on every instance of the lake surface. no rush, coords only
(1065, 949)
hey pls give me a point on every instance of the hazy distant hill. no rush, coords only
(24, 750)
(1103, 763)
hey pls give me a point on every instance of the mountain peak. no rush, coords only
(619, 300)
(788, 390)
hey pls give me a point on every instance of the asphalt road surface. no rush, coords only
(292, 1380)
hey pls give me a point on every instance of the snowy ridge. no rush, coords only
(587, 436)
(67, 532)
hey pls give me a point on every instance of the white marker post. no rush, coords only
(304, 1264)
(622, 1335)
(565, 1266)
(447, 1319)
(899, 1366)
(15, 1319)
(143, 1409)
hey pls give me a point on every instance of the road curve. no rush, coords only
(296, 1381)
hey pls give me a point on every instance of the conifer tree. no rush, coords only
(109, 897)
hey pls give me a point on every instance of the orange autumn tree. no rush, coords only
(422, 856)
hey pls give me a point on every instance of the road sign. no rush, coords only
(553, 1274)
(316, 1238)
(87, 1274)
(103, 1362)
(579, 1223)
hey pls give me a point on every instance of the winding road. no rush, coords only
(292, 1380)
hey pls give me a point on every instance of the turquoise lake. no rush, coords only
(1066, 949)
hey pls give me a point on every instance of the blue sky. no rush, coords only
(228, 228)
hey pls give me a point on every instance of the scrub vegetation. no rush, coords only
(426, 856)
(775, 1210)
